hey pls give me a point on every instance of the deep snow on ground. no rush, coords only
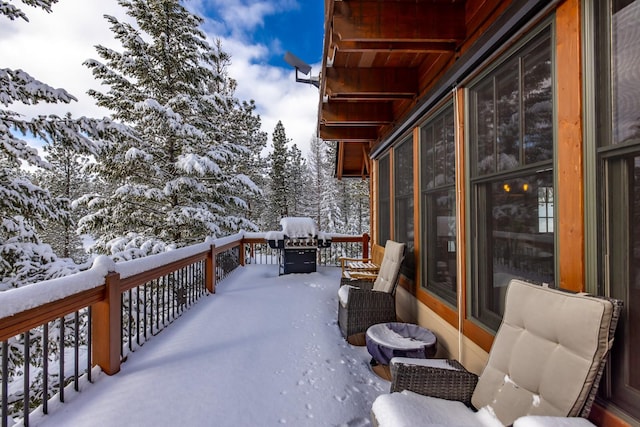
(265, 350)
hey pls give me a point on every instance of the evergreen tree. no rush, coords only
(171, 188)
(66, 180)
(317, 183)
(278, 198)
(25, 206)
(330, 206)
(296, 182)
(242, 127)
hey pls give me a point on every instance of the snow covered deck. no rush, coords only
(264, 350)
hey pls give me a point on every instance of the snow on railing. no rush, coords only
(102, 314)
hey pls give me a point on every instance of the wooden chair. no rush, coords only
(362, 268)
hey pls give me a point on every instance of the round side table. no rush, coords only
(395, 339)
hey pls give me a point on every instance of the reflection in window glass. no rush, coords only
(403, 195)
(437, 148)
(538, 106)
(545, 209)
(508, 121)
(626, 78)
(510, 118)
(384, 200)
(619, 23)
(510, 224)
(484, 124)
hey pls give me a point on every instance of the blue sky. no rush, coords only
(256, 33)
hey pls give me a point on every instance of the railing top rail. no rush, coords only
(131, 272)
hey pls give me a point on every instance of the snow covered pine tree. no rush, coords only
(25, 206)
(169, 186)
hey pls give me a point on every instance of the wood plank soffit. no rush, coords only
(366, 20)
(371, 82)
(356, 113)
(348, 133)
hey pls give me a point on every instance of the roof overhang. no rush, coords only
(376, 54)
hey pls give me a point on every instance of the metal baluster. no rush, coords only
(174, 296)
(5, 383)
(45, 368)
(27, 362)
(121, 325)
(89, 343)
(129, 317)
(146, 288)
(61, 361)
(76, 360)
(165, 304)
(137, 315)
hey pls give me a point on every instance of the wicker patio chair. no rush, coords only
(546, 360)
(363, 303)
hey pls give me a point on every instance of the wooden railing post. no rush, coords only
(365, 245)
(242, 261)
(107, 328)
(210, 269)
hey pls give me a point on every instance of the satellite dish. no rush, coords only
(303, 67)
(297, 63)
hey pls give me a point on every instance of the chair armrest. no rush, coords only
(345, 259)
(361, 285)
(441, 378)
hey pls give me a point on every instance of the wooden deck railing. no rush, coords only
(98, 317)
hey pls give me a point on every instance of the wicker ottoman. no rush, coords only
(394, 339)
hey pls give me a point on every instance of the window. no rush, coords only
(403, 193)
(511, 164)
(438, 198)
(617, 104)
(384, 200)
(403, 203)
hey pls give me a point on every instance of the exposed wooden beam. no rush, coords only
(348, 133)
(371, 83)
(340, 163)
(365, 162)
(367, 20)
(356, 113)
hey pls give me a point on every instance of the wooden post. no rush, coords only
(210, 268)
(365, 245)
(106, 327)
(242, 261)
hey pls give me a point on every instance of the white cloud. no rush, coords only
(52, 48)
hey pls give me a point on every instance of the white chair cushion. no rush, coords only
(343, 294)
(546, 353)
(390, 267)
(408, 409)
(543, 421)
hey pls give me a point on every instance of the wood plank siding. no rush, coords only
(390, 67)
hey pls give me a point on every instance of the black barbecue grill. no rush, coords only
(298, 251)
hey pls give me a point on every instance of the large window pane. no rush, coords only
(508, 116)
(511, 123)
(619, 24)
(441, 244)
(384, 200)
(626, 76)
(403, 194)
(437, 148)
(484, 128)
(538, 106)
(516, 239)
